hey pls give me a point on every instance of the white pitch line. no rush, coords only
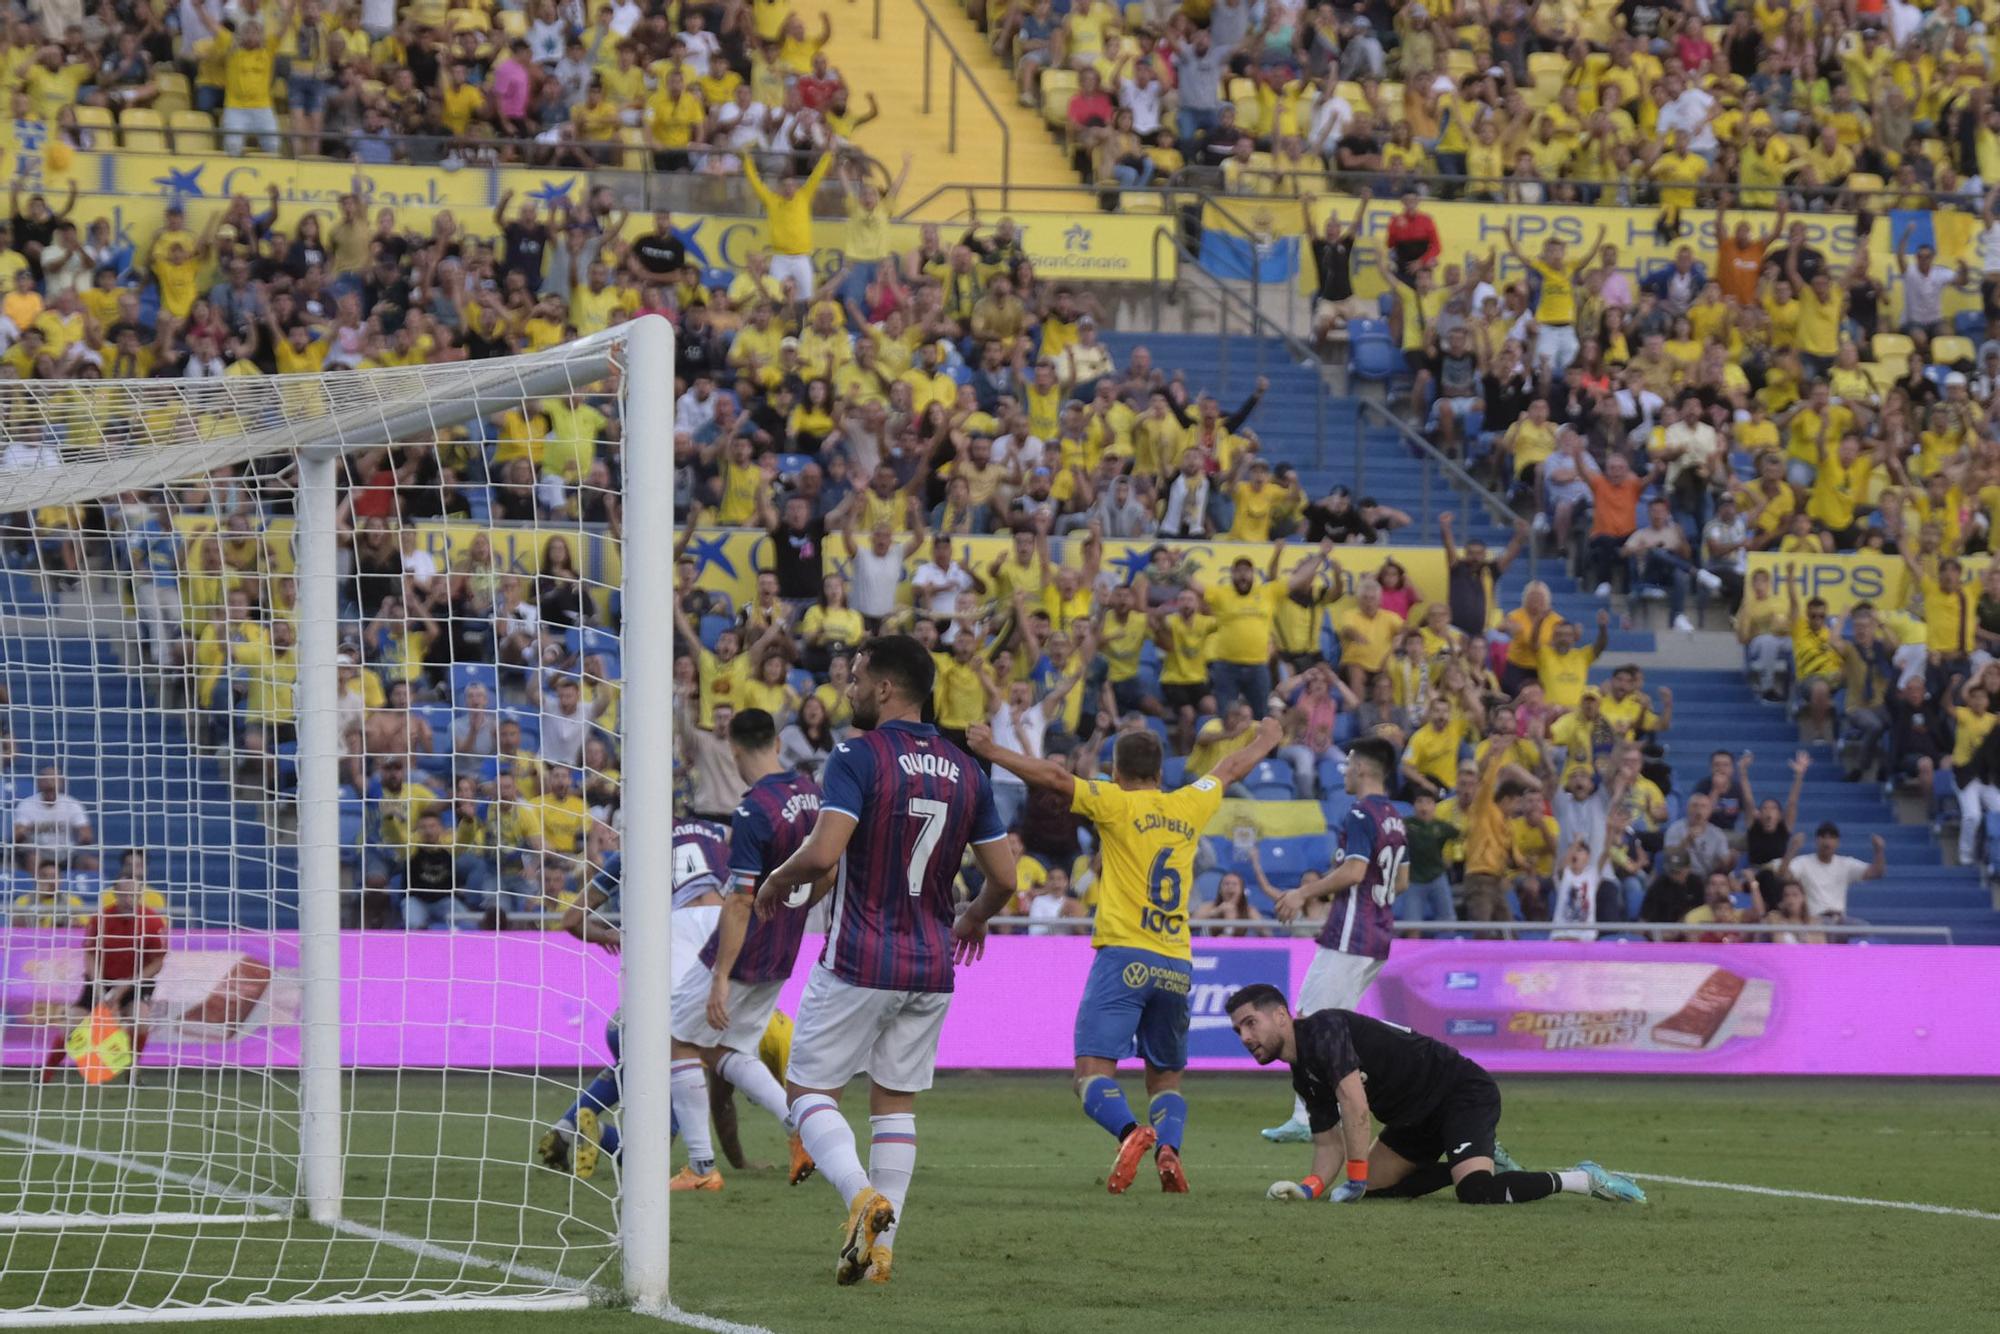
(1908, 1206)
(674, 1315)
(400, 1241)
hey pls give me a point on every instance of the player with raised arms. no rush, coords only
(1372, 869)
(1141, 982)
(711, 1029)
(1433, 1103)
(899, 807)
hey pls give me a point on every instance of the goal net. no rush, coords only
(315, 751)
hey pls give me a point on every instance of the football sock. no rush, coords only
(892, 1161)
(690, 1103)
(607, 1138)
(1508, 1187)
(830, 1141)
(1104, 1103)
(754, 1079)
(1299, 1110)
(1423, 1181)
(600, 1095)
(1572, 1183)
(1168, 1113)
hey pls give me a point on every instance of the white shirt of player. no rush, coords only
(56, 824)
(938, 589)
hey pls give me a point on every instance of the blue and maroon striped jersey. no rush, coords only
(774, 818)
(701, 860)
(916, 801)
(1356, 924)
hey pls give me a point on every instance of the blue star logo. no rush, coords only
(1076, 240)
(182, 182)
(1133, 562)
(707, 551)
(686, 236)
(551, 193)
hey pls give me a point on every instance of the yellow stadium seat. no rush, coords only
(174, 92)
(1135, 16)
(1887, 345)
(469, 20)
(1951, 350)
(142, 131)
(1892, 368)
(1350, 92)
(1547, 62)
(1058, 86)
(1459, 62)
(634, 140)
(194, 131)
(93, 118)
(514, 22)
(1864, 184)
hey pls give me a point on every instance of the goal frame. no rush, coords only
(642, 352)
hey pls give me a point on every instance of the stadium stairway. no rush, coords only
(134, 767)
(1288, 424)
(1716, 710)
(892, 68)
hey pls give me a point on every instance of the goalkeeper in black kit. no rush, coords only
(1440, 1112)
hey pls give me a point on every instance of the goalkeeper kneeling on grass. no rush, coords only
(1433, 1103)
(124, 952)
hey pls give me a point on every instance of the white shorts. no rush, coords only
(844, 1030)
(692, 928)
(1335, 980)
(750, 1007)
(799, 268)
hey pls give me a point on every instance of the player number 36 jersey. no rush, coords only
(1149, 839)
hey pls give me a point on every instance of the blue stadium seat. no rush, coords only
(791, 465)
(1376, 360)
(1287, 861)
(1205, 884)
(464, 674)
(1173, 771)
(1969, 324)
(711, 629)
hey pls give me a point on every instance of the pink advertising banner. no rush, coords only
(476, 1000)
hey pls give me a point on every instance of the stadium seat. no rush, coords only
(95, 118)
(1953, 351)
(1887, 345)
(1205, 885)
(1969, 324)
(1173, 771)
(175, 94)
(513, 22)
(142, 131)
(1058, 86)
(711, 629)
(193, 131)
(464, 674)
(1371, 355)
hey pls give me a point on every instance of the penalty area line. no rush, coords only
(1908, 1206)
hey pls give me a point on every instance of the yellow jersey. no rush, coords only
(1149, 839)
(1242, 621)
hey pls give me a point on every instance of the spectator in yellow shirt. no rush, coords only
(789, 212)
(247, 66)
(1182, 633)
(1239, 665)
(1367, 633)
(1430, 760)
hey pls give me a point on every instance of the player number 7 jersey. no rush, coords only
(917, 803)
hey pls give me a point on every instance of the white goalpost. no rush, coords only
(329, 705)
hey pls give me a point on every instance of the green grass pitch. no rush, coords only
(1009, 1228)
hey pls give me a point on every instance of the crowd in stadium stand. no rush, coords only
(1741, 400)
(1583, 101)
(562, 84)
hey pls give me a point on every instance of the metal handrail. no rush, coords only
(1635, 194)
(1265, 926)
(934, 31)
(1494, 504)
